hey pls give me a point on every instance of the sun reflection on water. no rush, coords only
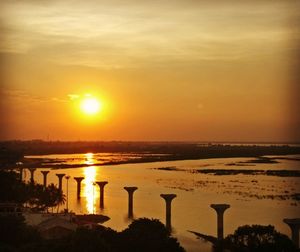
(89, 159)
(89, 188)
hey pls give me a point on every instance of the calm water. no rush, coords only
(254, 199)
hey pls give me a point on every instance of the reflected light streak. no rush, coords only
(90, 176)
(89, 159)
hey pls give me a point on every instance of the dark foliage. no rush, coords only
(14, 233)
(10, 156)
(259, 239)
(11, 189)
(148, 235)
(142, 235)
(100, 239)
(35, 196)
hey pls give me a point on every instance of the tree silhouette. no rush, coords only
(259, 239)
(36, 196)
(148, 235)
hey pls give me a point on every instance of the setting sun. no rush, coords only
(90, 105)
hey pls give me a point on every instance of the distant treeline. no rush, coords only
(10, 156)
(176, 150)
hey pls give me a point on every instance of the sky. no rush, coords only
(163, 70)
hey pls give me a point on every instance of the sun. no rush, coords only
(90, 106)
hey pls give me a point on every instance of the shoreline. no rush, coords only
(49, 165)
(14, 155)
(257, 160)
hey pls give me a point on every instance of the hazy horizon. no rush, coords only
(150, 141)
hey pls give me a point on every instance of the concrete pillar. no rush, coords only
(60, 177)
(220, 209)
(101, 185)
(294, 225)
(45, 173)
(67, 178)
(78, 180)
(32, 170)
(130, 191)
(168, 199)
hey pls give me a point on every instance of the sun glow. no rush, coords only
(90, 105)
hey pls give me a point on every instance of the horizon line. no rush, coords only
(151, 141)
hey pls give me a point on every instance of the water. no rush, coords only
(253, 198)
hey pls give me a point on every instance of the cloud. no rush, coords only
(23, 96)
(116, 34)
(73, 96)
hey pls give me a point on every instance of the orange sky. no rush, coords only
(164, 70)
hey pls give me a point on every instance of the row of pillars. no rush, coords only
(294, 224)
(60, 176)
(130, 190)
(101, 185)
(219, 208)
(45, 173)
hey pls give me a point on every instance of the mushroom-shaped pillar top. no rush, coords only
(79, 179)
(294, 225)
(168, 197)
(292, 222)
(101, 183)
(220, 208)
(60, 175)
(32, 170)
(130, 189)
(45, 173)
